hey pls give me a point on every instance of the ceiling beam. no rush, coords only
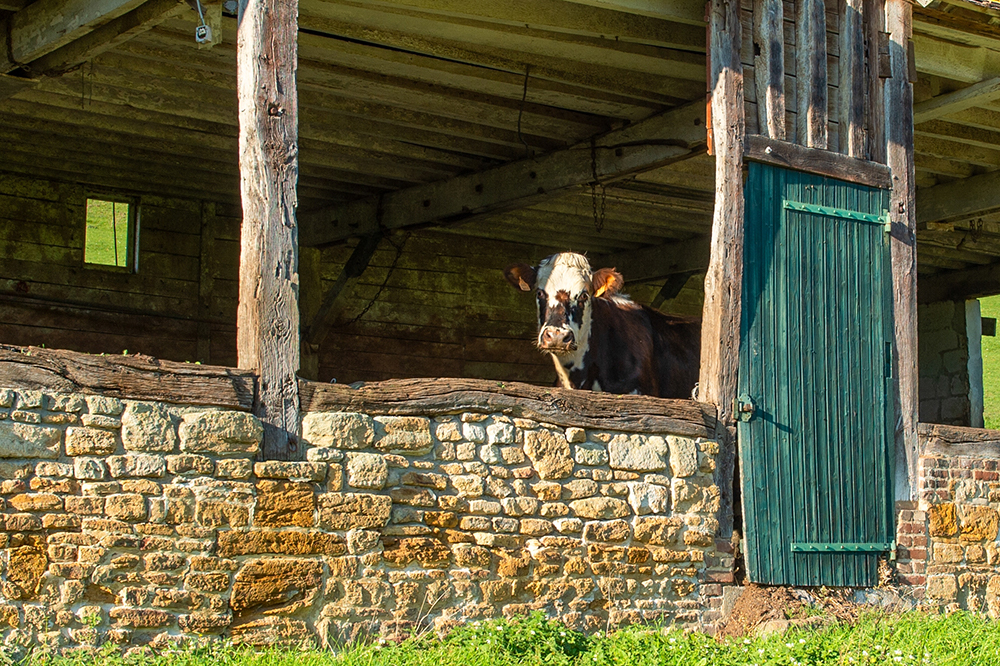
(660, 261)
(682, 11)
(652, 143)
(960, 100)
(959, 198)
(121, 29)
(959, 62)
(45, 25)
(13, 5)
(960, 285)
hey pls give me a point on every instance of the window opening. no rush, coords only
(110, 233)
(990, 312)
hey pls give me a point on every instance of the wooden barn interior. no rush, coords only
(408, 109)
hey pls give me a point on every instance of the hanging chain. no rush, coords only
(520, 112)
(392, 267)
(594, 184)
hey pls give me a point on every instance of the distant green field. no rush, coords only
(107, 233)
(991, 366)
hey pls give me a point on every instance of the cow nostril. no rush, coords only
(568, 338)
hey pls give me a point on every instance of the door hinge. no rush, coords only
(887, 222)
(744, 408)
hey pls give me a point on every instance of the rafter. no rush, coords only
(665, 138)
(960, 198)
(960, 100)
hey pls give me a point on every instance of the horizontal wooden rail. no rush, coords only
(819, 162)
(951, 441)
(561, 407)
(135, 377)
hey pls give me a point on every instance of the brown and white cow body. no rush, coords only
(600, 339)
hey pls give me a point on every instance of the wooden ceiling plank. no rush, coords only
(958, 62)
(657, 262)
(44, 25)
(971, 136)
(961, 198)
(964, 284)
(568, 17)
(952, 150)
(960, 100)
(670, 136)
(691, 12)
(111, 34)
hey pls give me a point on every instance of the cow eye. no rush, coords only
(582, 298)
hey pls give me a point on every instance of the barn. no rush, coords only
(256, 345)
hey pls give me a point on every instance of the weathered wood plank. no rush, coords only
(963, 284)
(975, 95)
(562, 407)
(657, 262)
(811, 74)
(328, 310)
(768, 40)
(268, 316)
(955, 441)
(206, 281)
(720, 331)
(903, 246)
(821, 162)
(874, 13)
(957, 199)
(655, 142)
(45, 25)
(132, 377)
(852, 88)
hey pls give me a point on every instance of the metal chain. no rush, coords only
(392, 267)
(598, 215)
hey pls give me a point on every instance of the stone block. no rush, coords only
(942, 588)
(659, 530)
(425, 480)
(233, 468)
(97, 421)
(536, 526)
(276, 584)
(220, 432)
(205, 622)
(340, 430)
(36, 502)
(292, 471)
(99, 404)
(272, 631)
(645, 498)
(148, 427)
(137, 464)
(89, 469)
(490, 454)
(474, 432)
(367, 470)
(141, 618)
(947, 553)
(609, 531)
(549, 452)
(546, 490)
(284, 504)
(501, 433)
(978, 523)
(404, 434)
(447, 431)
(638, 453)
(25, 567)
(579, 489)
(22, 440)
(345, 511)
(90, 442)
(591, 455)
(265, 542)
(683, 456)
(943, 520)
(576, 435)
(599, 508)
(520, 506)
(468, 485)
(428, 552)
(413, 497)
(189, 464)
(568, 525)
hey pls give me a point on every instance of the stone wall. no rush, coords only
(950, 378)
(948, 545)
(134, 522)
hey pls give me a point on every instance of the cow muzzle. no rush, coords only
(556, 340)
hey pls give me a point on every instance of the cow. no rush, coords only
(599, 338)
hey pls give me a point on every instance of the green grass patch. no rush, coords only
(106, 240)
(990, 307)
(960, 639)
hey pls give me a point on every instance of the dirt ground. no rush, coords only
(759, 608)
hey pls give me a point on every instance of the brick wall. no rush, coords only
(134, 522)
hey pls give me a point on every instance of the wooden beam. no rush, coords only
(960, 285)
(720, 330)
(852, 89)
(267, 330)
(45, 25)
(769, 66)
(206, 280)
(655, 263)
(328, 310)
(145, 17)
(814, 160)
(682, 11)
(652, 143)
(874, 13)
(13, 85)
(671, 288)
(903, 245)
(134, 377)
(959, 198)
(13, 5)
(975, 95)
(958, 62)
(562, 407)
(810, 74)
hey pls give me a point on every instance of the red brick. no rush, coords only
(911, 528)
(913, 580)
(719, 577)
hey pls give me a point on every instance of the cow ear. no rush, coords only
(607, 282)
(522, 276)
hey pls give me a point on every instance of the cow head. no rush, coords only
(564, 287)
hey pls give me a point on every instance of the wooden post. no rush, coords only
(899, 154)
(720, 335)
(852, 79)
(875, 112)
(810, 74)
(769, 66)
(267, 333)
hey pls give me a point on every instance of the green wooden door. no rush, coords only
(814, 381)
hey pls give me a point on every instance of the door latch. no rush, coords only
(745, 408)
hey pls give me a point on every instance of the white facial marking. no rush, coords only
(571, 273)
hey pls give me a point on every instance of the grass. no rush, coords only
(991, 366)
(107, 228)
(959, 639)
